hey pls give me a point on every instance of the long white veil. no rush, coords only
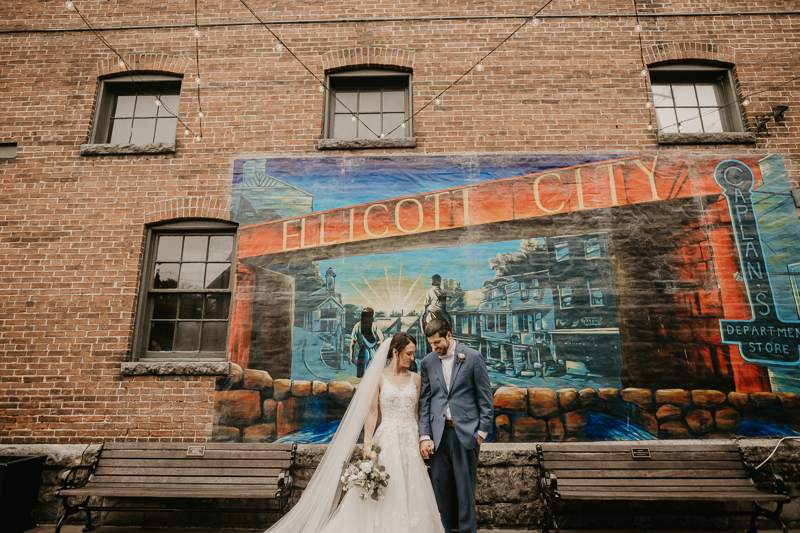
(321, 496)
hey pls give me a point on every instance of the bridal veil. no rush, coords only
(321, 496)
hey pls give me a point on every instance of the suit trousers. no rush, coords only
(454, 474)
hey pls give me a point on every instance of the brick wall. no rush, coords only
(72, 227)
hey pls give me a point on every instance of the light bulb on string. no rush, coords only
(534, 22)
(278, 47)
(403, 125)
(746, 102)
(321, 89)
(198, 138)
(186, 131)
(196, 31)
(649, 104)
(643, 73)
(637, 28)
(650, 126)
(383, 135)
(70, 5)
(200, 114)
(438, 100)
(121, 63)
(197, 79)
(479, 66)
(158, 102)
(352, 118)
(680, 126)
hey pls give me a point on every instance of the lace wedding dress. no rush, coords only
(410, 505)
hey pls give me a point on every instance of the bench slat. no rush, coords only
(188, 480)
(193, 462)
(631, 473)
(643, 465)
(662, 482)
(650, 496)
(649, 444)
(210, 454)
(656, 456)
(251, 446)
(660, 488)
(193, 471)
(174, 491)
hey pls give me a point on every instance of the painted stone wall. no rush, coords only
(611, 296)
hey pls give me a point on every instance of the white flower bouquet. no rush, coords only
(366, 476)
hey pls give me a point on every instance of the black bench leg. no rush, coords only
(775, 516)
(89, 526)
(69, 510)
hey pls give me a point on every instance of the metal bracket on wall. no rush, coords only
(796, 194)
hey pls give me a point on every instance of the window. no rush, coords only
(566, 297)
(592, 249)
(699, 98)
(595, 295)
(8, 150)
(562, 251)
(185, 301)
(364, 104)
(127, 112)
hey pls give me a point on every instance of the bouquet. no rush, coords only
(367, 476)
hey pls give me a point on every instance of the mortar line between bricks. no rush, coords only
(413, 19)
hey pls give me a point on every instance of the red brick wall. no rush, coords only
(72, 227)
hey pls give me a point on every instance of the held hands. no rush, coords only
(426, 448)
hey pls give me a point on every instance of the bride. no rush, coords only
(409, 504)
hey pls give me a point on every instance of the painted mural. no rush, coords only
(612, 296)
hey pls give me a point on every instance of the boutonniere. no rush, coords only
(460, 357)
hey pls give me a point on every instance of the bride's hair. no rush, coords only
(400, 340)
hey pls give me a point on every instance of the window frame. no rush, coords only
(689, 71)
(142, 322)
(373, 76)
(100, 130)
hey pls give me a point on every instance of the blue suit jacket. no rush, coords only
(469, 397)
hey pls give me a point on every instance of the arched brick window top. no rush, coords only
(178, 209)
(144, 63)
(694, 51)
(368, 57)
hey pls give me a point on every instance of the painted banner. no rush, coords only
(612, 297)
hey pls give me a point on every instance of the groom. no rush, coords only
(455, 415)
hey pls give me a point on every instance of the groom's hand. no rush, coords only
(480, 440)
(426, 448)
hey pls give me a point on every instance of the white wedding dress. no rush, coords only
(409, 505)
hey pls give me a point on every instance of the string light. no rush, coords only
(383, 135)
(70, 5)
(158, 102)
(643, 73)
(352, 118)
(637, 28)
(479, 66)
(197, 79)
(650, 126)
(438, 100)
(186, 131)
(278, 47)
(196, 31)
(535, 22)
(680, 126)
(200, 114)
(198, 138)
(322, 88)
(121, 63)
(746, 102)
(649, 104)
(403, 125)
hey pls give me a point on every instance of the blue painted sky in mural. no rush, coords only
(340, 181)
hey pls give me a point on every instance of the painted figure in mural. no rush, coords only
(367, 335)
(435, 303)
(391, 392)
(453, 374)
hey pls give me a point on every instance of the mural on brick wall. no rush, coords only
(613, 297)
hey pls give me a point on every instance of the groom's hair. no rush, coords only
(437, 325)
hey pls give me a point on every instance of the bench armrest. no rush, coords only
(549, 484)
(67, 478)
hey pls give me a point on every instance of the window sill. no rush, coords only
(176, 368)
(362, 144)
(127, 149)
(731, 137)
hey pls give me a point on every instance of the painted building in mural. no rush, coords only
(169, 275)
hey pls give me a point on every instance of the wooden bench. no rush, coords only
(181, 470)
(652, 471)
